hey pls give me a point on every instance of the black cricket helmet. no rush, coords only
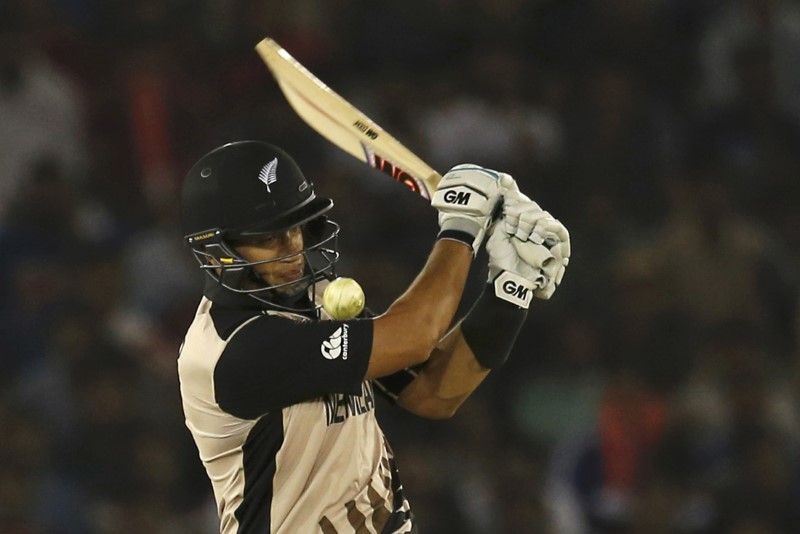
(248, 189)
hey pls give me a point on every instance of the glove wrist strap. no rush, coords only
(464, 230)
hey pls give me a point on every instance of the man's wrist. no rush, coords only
(462, 229)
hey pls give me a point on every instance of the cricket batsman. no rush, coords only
(280, 396)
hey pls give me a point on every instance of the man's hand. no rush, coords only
(541, 241)
(528, 250)
(466, 199)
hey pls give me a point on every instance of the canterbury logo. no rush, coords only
(269, 173)
(336, 344)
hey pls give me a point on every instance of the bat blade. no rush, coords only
(343, 124)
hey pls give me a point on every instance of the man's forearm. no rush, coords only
(409, 331)
(449, 377)
(433, 297)
(463, 358)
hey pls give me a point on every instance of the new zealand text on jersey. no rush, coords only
(339, 406)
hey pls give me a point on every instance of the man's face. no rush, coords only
(286, 245)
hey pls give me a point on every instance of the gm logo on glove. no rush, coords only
(513, 288)
(457, 197)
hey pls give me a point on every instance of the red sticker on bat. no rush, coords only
(397, 173)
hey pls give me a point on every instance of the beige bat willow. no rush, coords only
(343, 125)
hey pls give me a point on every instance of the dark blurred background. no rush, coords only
(658, 390)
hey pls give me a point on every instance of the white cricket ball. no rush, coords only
(343, 299)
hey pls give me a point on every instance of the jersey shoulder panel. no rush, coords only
(227, 320)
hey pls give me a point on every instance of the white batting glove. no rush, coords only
(466, 199)
(514, 280)
(540, 240)
(511, 193)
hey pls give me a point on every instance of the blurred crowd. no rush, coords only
(658, 392)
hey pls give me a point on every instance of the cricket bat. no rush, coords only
(342, 124)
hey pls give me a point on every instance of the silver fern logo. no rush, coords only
(269, 173)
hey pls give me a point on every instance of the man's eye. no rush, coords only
(264, 241)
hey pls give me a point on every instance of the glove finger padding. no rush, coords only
(511, 193)
(534, 255)
(553, 231)
(529, 223)
(541, 241)
(555, 270)
(503, 256)
(521, 218)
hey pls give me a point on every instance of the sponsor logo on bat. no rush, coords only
(390, 169)
(366, 130)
